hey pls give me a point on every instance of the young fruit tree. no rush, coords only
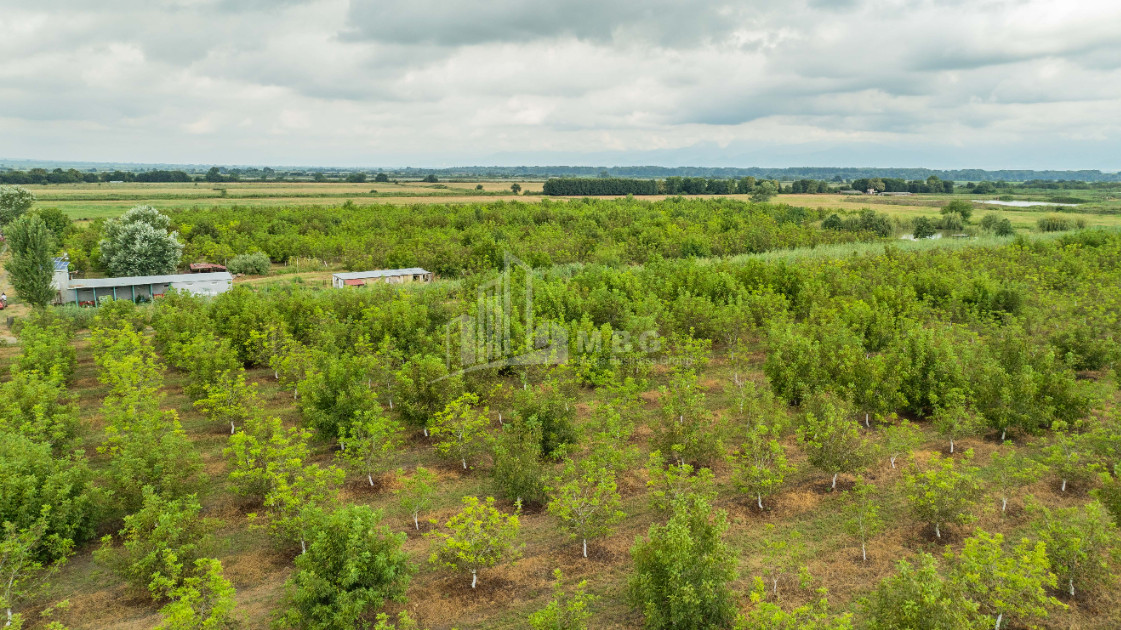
(416, 492)
(352, 565)
(22, 571)
(1012, 470)
(686, 431)
(518, 473)
(230, 399)
(587, 504)
(831, 440)
(480, 538)
(205, 601)
(298, 497)
(814, 615)
(671, 482)
(863, 520)
(369, 442)
(899, 440)
(564, 611)
(783, 553)
(919, 596)
(683, 570)
(1080, 543)
(259, 453)
(760, 464)
(954, 420)
(1070, 457)
(460, 429)
(1008, 586)
(943, 494)
(31, 267)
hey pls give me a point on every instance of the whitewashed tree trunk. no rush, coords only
(474, 578)
(425, 431)
(1064, 488)
(998, 618)
(863, 551)
(937, 532)
(759, 499)
(951, 446)
(585, 547)
(232, 427)
(464, 462)
(303, 546)
(370, 478)
(866, 423)
(835, 480)
(1072, 586)
(416, 520)
(1003, 434)
(1004, 504)
(893, 460)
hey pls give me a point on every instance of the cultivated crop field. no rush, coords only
(802, 418)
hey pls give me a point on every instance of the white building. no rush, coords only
(88, 292)
(387, 276)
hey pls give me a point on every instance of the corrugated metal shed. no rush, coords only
(380, 273)
(105, 283)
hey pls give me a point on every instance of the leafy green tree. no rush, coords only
(686, 431)
(550, 412)
(923, 228)
(518, 473)
(831, 440)
(205, 601)
(1069, 456)
(862, 515)
(159, 544)
(586, 501)
(919, 597)
(138, 244)
(943, 494)
(404, 622)
(961, 207)
(262, 453)
(206, 358)
(369, 442)
(257, 263)
(899, 440)
(1006, 586)
(58, 222)
(783, 554)
(298, 498)
(46, 344)
(31, 267)
(23, 573)
(352, 565)
(564, 612)
(1004, 228)
(480, 537)
(334, 394)
(953, 420)
(760, 464)
(14, 202)
(425, 388)
(683, 569)
(1080, 544)
(151, 450)
(670, 482)
(814, 615)
(764, 191)
(41, 410)
(461, 429)
(35, 486)
(229, 398)
(1013, 470)
(416, 492)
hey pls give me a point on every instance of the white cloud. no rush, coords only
(1001, 83)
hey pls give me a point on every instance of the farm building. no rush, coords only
(387, 276)
(88, 292)
(205, 267)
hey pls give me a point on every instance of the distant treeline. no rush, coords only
(74, 176)
(577, 186)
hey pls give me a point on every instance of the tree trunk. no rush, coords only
(370, 478)
(863, 551)
(937, 532)
(759, 498)
(585, 547)
(774, 588)
(998, 618)
(835, 480)
(425, 431)
(866, 424)
(474, 578)
(951, 446)
(893, 461)
(232, 427)
(1004, 504)
(1003, 434)
(303, 546)
(464, 462)
(1072, 586)
(1064, 488)
(416, 520)
(391, 403)
(500, 419)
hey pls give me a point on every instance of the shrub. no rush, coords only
(480, 538)
(1055, 224)
(564, 612)
(919, 597)
(683, 568)
(353, 564)
(256, 264)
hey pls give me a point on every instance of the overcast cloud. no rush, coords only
(981, 83)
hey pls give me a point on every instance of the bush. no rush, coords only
(255, 264)
(683, 568)
(352, 565)
(960, 207)
(1055, 224)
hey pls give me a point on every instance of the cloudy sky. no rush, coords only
(975, 83)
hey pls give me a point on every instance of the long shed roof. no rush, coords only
(380, 273)
(128, 281)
